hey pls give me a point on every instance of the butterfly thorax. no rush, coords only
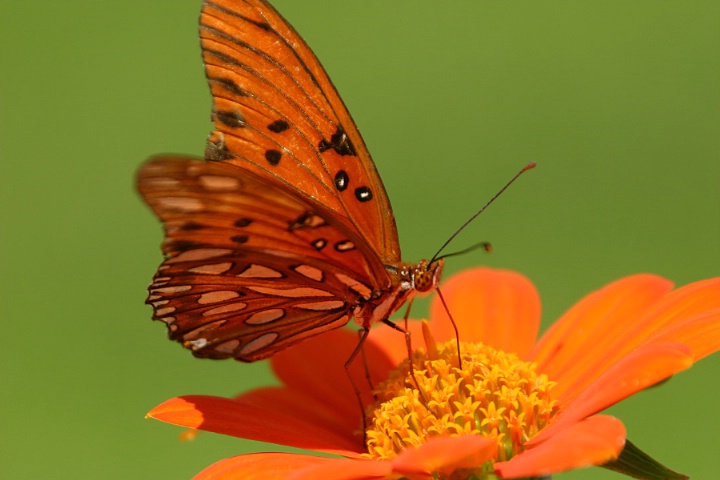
(408, 279)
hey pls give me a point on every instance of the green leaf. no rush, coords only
(638, 464)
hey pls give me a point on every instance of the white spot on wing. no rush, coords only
(260, 271)
(355, 285)
(231, 307)
(266, 316)
(164, 311)
(175, 289)
(160, 182)
(184, 204)
(212, 269)
(218, 182)
(199, 254)
(260, 342)
(227, 347)
(214, 297)
(291, 292)
(344, 246)
(329, 305)
(197, 344)
(309, 272)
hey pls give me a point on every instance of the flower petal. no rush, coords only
(284, 402)
(343, 469)
(500, 308)
(700, 332)
(582, 337)
(593, 441)
(245, 420)
(445, 455)
(640, 369)
(317, 368)
(258, 466)
(680, 308)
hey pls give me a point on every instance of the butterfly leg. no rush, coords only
(358, 394)
(408, 344)
(366, 367)
(452, 320)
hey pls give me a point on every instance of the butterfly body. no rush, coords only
(284, 231)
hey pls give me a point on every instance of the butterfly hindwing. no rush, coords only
(249, 269)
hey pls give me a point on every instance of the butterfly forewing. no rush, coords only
(250, 269)
(285, 231)
(277, 114)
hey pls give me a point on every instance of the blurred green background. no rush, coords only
(618, 103)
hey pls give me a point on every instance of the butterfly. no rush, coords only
(284, 230)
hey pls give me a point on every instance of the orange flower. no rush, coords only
(513, 408)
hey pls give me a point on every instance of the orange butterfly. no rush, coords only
(286, 230)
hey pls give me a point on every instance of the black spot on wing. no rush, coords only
(341, 180)
(363, 194)
(273, 157)
(232, 119)
(229, 86)
(182, 245)
(216, 151)
(278, 126)
(243, 222)
(339, 142)
(190, 226)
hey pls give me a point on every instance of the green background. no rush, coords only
(617, 102)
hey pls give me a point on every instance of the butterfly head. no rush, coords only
(426, 275)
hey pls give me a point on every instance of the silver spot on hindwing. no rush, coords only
(259, 271)
(265, 316)
(212, 269)
(309, 272)
(258, 343)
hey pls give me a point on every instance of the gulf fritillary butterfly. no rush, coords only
(285, 231)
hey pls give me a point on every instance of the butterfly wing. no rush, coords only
(278, 115)
(250, 267)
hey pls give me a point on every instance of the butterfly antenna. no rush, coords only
(462, 227)
(484, 245)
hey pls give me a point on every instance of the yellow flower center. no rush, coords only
(493, 394)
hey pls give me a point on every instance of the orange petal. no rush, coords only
(445, 455)
(500, 308)
(594, 441)
(584, 335)
(343, 469)
(677, 308)
(701, 333)
(317, 367)
(232, 417)
(283, 402)
(258, 466)
(643, 368)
